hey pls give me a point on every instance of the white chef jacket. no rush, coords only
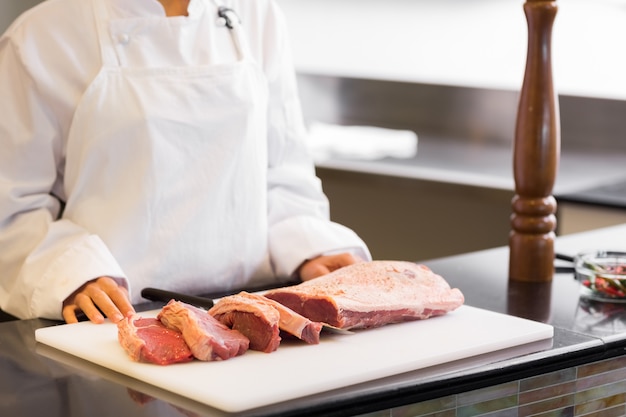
(50, 60)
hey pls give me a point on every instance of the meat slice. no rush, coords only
(371, 294)
(234, 309)
(208, 339)
(148, 340)
(257, 321)
(292, 322)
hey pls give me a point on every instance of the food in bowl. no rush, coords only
(602, 275)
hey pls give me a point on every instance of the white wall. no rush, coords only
(476, 43)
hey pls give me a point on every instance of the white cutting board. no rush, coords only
(296, 369)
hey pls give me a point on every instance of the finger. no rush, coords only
(313, 269)
(85, 304)
(102, 303)
(120, 298)
(326, 264)
(342, 259)
(111, 298)
(69, 314)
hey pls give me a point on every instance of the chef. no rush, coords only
(153, 143)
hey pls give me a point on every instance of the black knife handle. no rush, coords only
(154, 294)
(564, 257)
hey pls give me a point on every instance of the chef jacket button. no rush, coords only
(123, 38)
(221, 22)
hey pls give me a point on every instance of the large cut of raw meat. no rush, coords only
(260, 319)
(207, 338)
(148, 340)
(371, 294)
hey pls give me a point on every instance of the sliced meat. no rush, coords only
(288, 320)
(294, 323)
(208, 339)
(148, 340)
(371, 294)
(257, 321)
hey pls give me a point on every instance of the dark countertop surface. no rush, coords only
(611, 195)
(482, 278)
(584, 175)
(36, 380)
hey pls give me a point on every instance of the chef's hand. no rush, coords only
(102, 295)
(325, 264)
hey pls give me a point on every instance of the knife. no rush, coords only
(564, 269)
(154, 294)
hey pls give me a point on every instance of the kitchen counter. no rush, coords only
(489, 165)
(408, 208)
(36, 380)
(466, 135)
(612, 194)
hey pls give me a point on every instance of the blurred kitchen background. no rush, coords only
(450, 71)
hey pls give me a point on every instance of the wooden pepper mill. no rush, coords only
(536, 155)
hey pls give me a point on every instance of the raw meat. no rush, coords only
(253, 315)
(148, 340)
(257, 321)
(371, 294)
(292, 322)
(207, 338)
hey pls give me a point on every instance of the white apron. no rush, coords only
(182, 153)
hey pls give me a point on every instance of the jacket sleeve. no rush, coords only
(43, 259)
(299, 220)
